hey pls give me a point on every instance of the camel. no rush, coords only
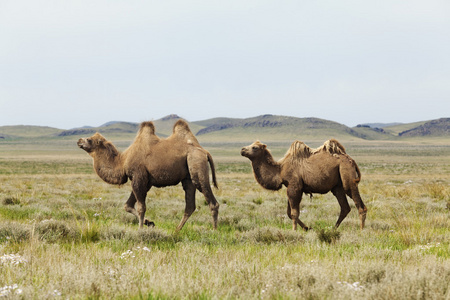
(307, 170)
(153, 161)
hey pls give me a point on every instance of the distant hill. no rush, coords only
(164, 126)
(379, 125)
(108, 128)
(440, 127)
(273, 127)
(395, 130)
(265, 128)
(26, 131)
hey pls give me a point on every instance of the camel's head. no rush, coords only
(92, 143)
(254, 150)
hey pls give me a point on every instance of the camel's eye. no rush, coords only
(255, 147)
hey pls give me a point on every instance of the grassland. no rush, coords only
(64, 234)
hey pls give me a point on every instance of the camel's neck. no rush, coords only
(109, 166)
(267, 172)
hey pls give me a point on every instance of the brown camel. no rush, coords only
(152, 161)
(306, 170)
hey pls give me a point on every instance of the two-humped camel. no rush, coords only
(153, 161)
(306, 170)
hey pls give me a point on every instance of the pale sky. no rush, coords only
(69, 63)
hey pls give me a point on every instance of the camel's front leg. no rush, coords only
(293, 210)
(129, 207)
(140, 188)
(339, 193)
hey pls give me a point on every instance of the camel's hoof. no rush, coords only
(149, 223)
(306, 228)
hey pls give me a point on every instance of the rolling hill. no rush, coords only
(272, 127)
(265, 127)
(440, 127)
(25, 131)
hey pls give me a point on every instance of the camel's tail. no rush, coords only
(357, 180)
(213, 169)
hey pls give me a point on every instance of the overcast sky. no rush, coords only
(71, 63)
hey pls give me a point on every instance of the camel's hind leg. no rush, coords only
(189, 190)
(362, 209)
(199, 171)
(339, 193)
(350, 179)
(293, 208)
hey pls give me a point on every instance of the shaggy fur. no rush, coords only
(152, 161)
(307, 170)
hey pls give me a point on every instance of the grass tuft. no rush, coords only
(329, 236)
(14, 232)
(10, 201)
(149, 235)
(270, 235)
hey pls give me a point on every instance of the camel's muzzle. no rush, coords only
(82, 143)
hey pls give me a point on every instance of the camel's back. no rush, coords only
(318, 173)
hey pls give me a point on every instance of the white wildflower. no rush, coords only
(111, 273)
(429, 246)
(356, 286)
(13, 259)
(145, 249)
(127, 254)
(46, 220)
(10, 289)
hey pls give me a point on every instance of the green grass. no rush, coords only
(64, 233)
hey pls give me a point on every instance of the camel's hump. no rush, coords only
(333, 146)
(181, 126)
(147, 126)
(300, 149)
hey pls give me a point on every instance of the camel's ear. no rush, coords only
(261, 145)
(100, 143)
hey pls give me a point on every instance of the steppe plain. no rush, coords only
(64, 233)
